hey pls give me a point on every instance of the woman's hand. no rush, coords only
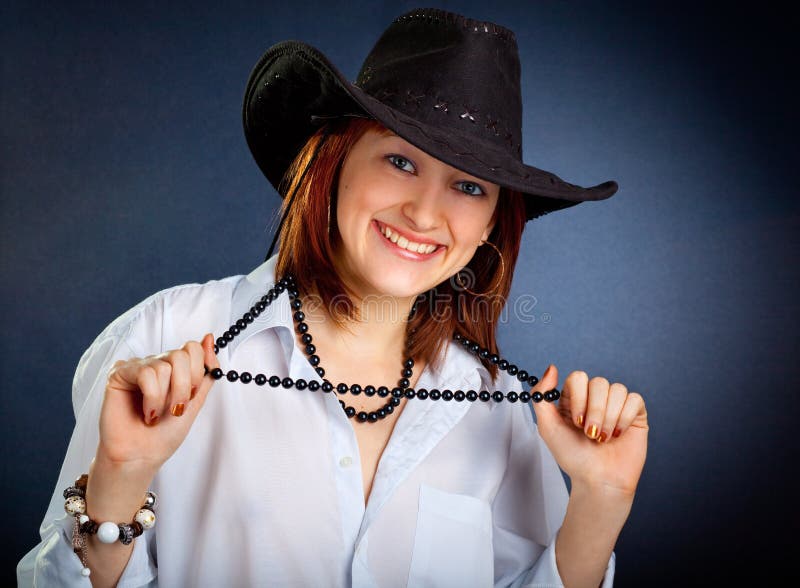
(148, 408)
(151, 403)
(597, 431)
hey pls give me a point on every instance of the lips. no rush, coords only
(399, 247)
(406, 241)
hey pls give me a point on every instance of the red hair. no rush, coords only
(307, 251)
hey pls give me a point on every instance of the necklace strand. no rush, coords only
(355, 389)
(287, 283)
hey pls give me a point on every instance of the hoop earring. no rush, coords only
(459, 281)
(329, 215)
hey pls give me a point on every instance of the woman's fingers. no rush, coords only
(601, 409)
(166, 383)
(634, 405)
(163, 371)
(202, 355)
(617, 394)
(180, 383)
(596, 406)
(145, 382)
(576, 388)
(153, 393)
(196, 358)
(187, 374)
(576, 391)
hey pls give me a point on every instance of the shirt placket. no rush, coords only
(346, 468)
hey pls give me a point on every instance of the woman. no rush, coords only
(363, 429)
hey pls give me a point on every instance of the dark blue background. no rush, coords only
(125, 171)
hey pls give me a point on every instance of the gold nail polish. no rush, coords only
(580, 420)
(592, 432)
(602, 437)
(177, 410)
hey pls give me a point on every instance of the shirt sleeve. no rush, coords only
(53, 562)
(528, 510)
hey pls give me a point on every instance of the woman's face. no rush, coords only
(387, 183)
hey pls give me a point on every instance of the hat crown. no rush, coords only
(450, 72)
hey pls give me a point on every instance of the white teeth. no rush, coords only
(405, 243)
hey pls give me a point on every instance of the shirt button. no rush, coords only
(346, 461)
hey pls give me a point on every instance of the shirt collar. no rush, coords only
(248, 292)
(459, 368)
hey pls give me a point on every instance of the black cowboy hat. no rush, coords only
(448, 84)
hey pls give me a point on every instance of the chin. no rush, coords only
(396, 286)
(386, 275)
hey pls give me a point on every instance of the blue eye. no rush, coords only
(401, 162)
(472, 189)
(405, 164)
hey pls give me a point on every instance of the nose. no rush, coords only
(423, 210)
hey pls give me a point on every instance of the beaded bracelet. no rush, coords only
(107, 532)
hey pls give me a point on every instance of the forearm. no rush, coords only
(588, 534)
(114, 493)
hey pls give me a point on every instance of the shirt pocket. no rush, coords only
(453, 542)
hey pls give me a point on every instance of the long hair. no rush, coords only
(308, 244)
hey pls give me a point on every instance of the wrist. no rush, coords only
(596, 514)
(602, 491)
(128, 468)
(115, 491)
(606, 502)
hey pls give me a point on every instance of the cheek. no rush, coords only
(364, 197)
(470, 229)
(355, 206)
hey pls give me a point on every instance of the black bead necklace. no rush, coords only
(402, 390)
(355, 389)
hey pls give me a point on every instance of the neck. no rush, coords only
(378, 334)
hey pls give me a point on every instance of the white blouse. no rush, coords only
(266, 489)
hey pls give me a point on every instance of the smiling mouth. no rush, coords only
(404, 243)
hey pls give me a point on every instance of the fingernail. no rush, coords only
(193, 392)
(592, 433)
(547, 371)
(580, 420)
(153, 420)
(177, 410)
(602, 437)
(616, 433)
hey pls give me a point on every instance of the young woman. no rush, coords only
(354, 424)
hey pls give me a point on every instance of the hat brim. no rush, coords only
(294, 88)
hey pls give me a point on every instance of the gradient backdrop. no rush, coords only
(125, 171)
